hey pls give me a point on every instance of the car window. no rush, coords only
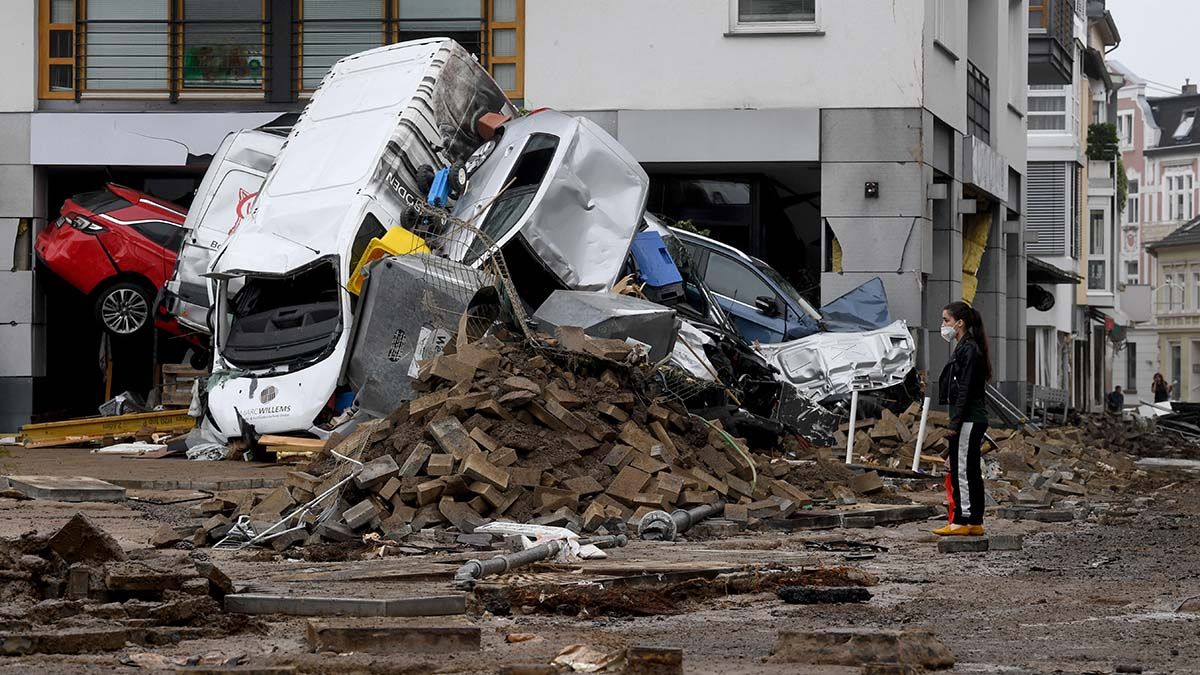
(370, 229)
(523, 183)
(162, 233)
(735, 280)
(788, 289)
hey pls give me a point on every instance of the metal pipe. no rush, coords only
(921, 435)
(850, 437)
(474, 570)
(663, 526)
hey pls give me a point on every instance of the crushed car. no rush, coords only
(117, 246)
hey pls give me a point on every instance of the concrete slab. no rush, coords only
(67, 488)
(298, 605)
(392, 636)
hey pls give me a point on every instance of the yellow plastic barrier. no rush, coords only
(397, 241)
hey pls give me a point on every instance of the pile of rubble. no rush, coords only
(505, 431)
(78, 591)
(1027, 469)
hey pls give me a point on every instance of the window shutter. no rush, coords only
(1047, 208)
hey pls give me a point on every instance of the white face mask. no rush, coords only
(948, 333)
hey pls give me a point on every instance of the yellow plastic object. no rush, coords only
(976, 230)
(397, 241)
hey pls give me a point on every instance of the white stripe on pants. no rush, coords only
(963, 449)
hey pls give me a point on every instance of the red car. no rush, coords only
(117, 246)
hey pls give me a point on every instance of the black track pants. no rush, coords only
(966, 473)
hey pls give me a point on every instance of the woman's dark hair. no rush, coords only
(973, 323)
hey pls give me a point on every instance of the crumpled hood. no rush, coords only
(828, 364)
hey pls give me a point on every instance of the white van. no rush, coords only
(347, 173)
(223, 200)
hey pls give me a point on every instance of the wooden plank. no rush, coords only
(98, 428)
(292, 441)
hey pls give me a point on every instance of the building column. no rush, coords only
(1017, 318)
(22, 327)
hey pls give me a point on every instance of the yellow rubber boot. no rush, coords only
(953, 530)
(976, 530)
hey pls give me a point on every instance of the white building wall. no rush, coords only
(676, 54)
(18, 51)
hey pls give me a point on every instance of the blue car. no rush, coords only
(761, 303)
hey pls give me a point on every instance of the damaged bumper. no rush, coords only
(830, 364)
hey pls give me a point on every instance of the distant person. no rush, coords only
(1162, 390)
(1115, 401)
(963, 385)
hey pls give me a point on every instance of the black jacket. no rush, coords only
(963, 380)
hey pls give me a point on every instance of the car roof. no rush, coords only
(716, 245)
(123, 203)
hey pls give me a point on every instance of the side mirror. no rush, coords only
(767, 305)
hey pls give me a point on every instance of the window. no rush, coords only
(979, 104)
(1179, 196)
(1125, 128)
(524, 181)
(1132, 214)
(222, 44)
(1184, 130)
(1131, 271)
(1131, 367)
(949, 26)
(56, 49)
(1176, 368)
(164, 234)
(506, 23)
(1047, 108)
(772, 16)
(1096, 280)
(333, 29)
(127, 45)
(1096, 233)
(1099, 112)
(370, 229)
(734, 280)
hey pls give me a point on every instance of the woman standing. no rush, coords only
(1162, 390)
(962, 385)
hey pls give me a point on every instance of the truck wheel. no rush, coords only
(124, 308)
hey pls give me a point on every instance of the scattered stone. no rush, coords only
(861, 646)
(1005, 542)
(81, 541)
(962, 545)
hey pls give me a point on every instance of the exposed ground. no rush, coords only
(1082, 597)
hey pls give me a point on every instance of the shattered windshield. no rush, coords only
(787, 288)
(529, 170)
(275, 321)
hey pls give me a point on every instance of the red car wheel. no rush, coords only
(124, 308)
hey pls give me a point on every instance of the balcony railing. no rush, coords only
(150, 58)
(174, 58)
(1051, 36)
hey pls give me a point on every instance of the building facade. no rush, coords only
(837, 140)
(1164, 160)
(142, 92)
(1074, 220)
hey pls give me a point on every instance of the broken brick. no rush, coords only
(476, 467)
(416, 460)
(440, 465)
(376, 472)
(450, 436)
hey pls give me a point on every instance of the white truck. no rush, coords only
(347, 173)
